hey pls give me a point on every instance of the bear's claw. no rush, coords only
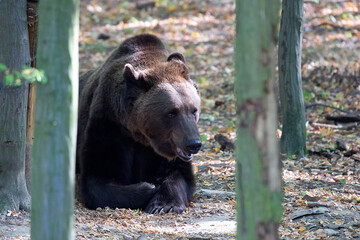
(160, 211)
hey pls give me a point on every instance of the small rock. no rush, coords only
(225, 142)
(145, 4)
(331, 232)
(306, 212)
(341, 145)
(103, 36)
(219, 103)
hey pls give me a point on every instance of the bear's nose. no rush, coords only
(193, 146)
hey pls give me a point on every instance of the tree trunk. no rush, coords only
(14, 53)
(293, 138)
(53, 169)
(258, 168)
(32, 16)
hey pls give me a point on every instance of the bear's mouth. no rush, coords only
(183, 155)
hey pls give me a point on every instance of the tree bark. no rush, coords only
(14, 53)
(258, 168)
(293, 138)
(53, 171)
(32, 16)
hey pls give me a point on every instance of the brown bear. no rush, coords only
(137, 129)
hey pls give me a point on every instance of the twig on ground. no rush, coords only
(325, 105)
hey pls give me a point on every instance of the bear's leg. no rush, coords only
(102, 193)
(175, 192)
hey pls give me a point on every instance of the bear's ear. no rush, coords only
(177, 56)
(134, 77)
(130, 73)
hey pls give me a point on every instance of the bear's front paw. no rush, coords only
(158, 207)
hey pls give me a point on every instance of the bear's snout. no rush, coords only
(193, 146)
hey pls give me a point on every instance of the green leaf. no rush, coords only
(43, 77)
(230, 123)
(18, 75)
(18, 82)
(127, 30)
(136, 210)
(203, 137)
(215, 128)
(307, 95)
(202, 80)
(344, 15)
(9, 79)
(343, 181)
(2, 67)
(291, 156)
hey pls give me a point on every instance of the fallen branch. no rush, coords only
(328, 153)
(324, 105)
(340, 127)
(344, 118)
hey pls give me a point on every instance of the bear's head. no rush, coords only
(163, 107)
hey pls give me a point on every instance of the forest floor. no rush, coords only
(321, 191)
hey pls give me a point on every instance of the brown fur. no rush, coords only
(140, 98)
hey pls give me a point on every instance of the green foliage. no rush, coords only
(343, 181)
(127, 30)
(2, 67)
(291, 156)
(27, 73)
(215, 128)
(9, 79)
(202, 80)
(203, 137)
(307, 96)
(326, 150)
(33, 75)
(230, 123)
(348, 34)
(136, 210)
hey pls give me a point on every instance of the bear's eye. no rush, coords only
(173, 113)
(194, 111)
